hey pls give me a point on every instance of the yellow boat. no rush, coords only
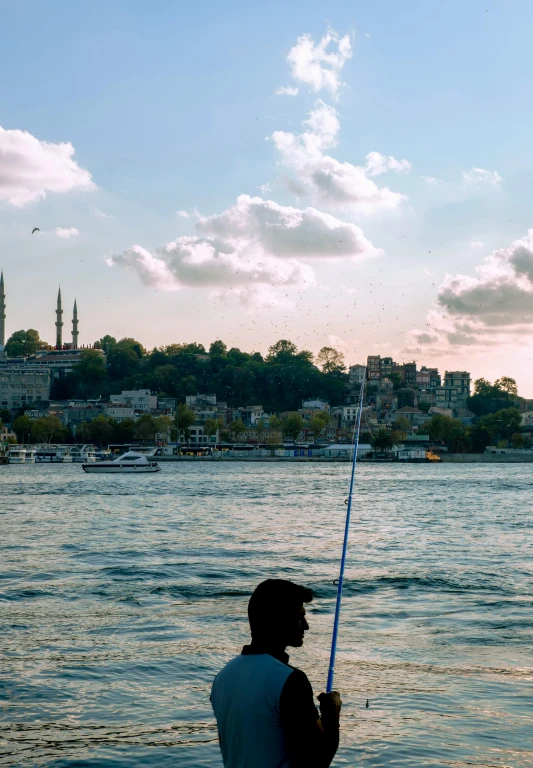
(430, 456)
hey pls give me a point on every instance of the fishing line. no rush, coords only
(331, 669)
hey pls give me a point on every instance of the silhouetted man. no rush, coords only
(265, 708)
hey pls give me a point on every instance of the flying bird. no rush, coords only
(34, 230)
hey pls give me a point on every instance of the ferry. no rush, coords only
(130, 462)
(83, 454)
(17, 455)
(53, 454)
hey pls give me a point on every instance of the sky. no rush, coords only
(356, 175)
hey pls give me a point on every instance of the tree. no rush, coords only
(479, 437)
(106, 343)
(90, 373)
(406, 397)
(382, 441)
(22, 428)
(218, 348)
(281, 350)
(83, 431)
(292, 426)
(518, 440)
(145, 427)
(186, 418)
(211, 426)
(402, 426)
(124, 431)
(483, 387)
(318, 423)
(101, 429)
(506, 384)
(397, 380)
(424, 406)
(274, 422)
(163, 425)
(237, 427)
(5, 416)
(330, 360)
(24, 343)
(502, 424)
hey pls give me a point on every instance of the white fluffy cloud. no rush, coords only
(482, 176)
(317, 66)
(30, 168)
(492, 308)
(66, 233)
(248, 249)
(328, 180)
(287, 90)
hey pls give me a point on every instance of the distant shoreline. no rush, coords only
(450, 458)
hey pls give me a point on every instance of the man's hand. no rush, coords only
(330, 705)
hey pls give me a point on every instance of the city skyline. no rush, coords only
(339, 181)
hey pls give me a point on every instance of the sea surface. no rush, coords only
(121, 597)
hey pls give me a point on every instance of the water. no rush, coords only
(121, 598)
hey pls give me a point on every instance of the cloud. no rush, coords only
(192, 213)
(336, 341)
(264, 188)
(494, 307)
(328, 180)
(476, 244)
(482, 176)
(100, 214)
(66, 233)
(249, 249)
(30, 168)
(377, 164)
(431, 180)
(314, 65)
(287, 90)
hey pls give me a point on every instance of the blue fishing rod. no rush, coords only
(331, 669)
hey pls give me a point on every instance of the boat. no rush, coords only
(30, 456)
(83, 453)
(17, 455)
(53, 454)
(130, 462)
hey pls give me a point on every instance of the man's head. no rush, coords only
(276, 612)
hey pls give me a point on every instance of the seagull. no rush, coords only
(34, 230)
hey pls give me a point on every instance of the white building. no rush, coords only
(138, 399)
(198, 437)
(21, 385)
(120, 412)
(316, 405)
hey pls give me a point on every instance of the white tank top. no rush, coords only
(245, 698)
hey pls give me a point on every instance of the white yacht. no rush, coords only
(30, 456)
(130, 462)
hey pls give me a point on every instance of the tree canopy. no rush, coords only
(279, 382)
(24, 343)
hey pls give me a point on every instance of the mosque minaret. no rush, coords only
(75, 327)
(2, 314)
(59, 322)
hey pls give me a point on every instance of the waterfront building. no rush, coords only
(459, 380)
(206, 407)
(21, 385)
(137, 399)
(120, 412)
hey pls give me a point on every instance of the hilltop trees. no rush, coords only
(24, 343)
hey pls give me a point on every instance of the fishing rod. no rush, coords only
(331, 669)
